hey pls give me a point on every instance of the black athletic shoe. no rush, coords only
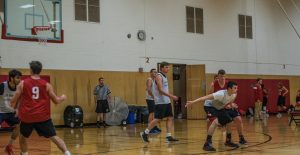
(156, 128)
(171, 139)
(154, 131)
(98, 125)
(208, 147)
(144, 137)
(231, 144)
(242, 141)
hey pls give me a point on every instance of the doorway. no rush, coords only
(179, 89)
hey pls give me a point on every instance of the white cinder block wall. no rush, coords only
(105, 46)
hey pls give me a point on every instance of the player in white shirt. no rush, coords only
(216, 104)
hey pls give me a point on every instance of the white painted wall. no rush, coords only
(105, 46)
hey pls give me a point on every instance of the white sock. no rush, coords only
(24, 153)
(168, 135)
(67, 153)
(147, 131)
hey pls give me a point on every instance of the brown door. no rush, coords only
(195, 88)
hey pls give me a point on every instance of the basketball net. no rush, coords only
(42, 33)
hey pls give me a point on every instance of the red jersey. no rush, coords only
(258, 92)
(217, 86)
(34, 101)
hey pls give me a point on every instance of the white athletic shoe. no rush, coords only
(279, 115)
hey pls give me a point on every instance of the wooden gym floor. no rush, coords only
(272, 136)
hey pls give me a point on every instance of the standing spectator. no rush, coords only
(101, 96)
(258, 97)
(282, 91)
(7, 113)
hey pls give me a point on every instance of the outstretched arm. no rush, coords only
(207, 97)
(17, 95)
(56, 99)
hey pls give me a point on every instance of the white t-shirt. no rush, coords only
(221, 98)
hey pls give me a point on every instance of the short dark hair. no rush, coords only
(163, 64)
(13, 73)
(231, 84)
(36, 67)
(100, 78)
(258, 79)
(153, 69)
(221, 71)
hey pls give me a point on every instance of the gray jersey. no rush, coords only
(148, 97)
(159, 98)
(101, 92)
(5, 96)
(221, 98)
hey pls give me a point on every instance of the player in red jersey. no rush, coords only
(220, 83)
(34, 95)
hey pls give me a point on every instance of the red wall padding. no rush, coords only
(245, 95)
(5, 77)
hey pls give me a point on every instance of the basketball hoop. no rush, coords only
(41, 32)
(36, 29)
(42, 41)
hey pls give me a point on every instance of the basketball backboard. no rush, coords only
(33, 20)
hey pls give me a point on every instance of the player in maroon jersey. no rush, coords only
(34, 95)
(220, 83)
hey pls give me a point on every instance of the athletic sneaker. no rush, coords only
(208, 147)
(231, 144)
(279, 115)
(154, 131)
(144, 137)
(243, 141)
(9, 150)
(98, 125)
(158, 129)
(171, 139)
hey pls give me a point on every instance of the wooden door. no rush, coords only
(195, 88)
